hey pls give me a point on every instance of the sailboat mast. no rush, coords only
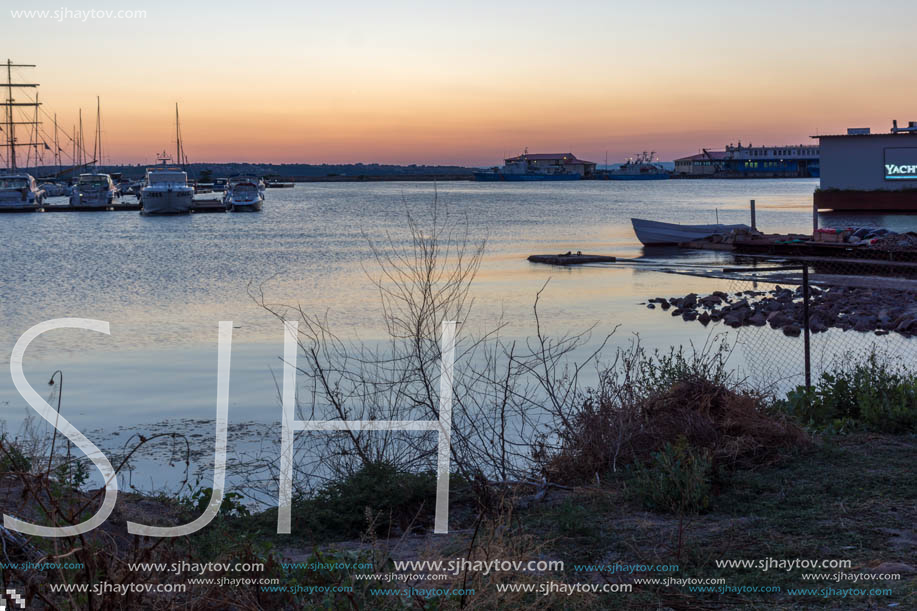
(98, 142)
(11, 125)
(9, 118)
(56, 146)
(33, 137)
(79, 146)
(177, 137)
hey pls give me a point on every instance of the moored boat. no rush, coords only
(641, 167)
(243, 196)
(20, 191)
(93, 190)
(166, 191)
(656, 233)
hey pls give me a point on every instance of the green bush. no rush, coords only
(574, 520)
(677, 479)
(377, 494)
(872, 394)
(12, 460)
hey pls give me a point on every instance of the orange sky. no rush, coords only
(415, 83)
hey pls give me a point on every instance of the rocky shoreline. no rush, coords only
(880, 311)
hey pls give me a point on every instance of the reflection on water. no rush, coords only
(164, 282)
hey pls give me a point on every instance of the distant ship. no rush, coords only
(641, 167)
(539, 167)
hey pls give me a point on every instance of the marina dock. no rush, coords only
(200, 206)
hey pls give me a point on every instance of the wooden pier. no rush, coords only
(69, 208)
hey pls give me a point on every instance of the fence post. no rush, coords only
(754, 224)
(805, 324)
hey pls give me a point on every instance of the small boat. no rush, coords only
(654, 233)
(279, 184)
(93, 190)
(243, 196)
(20, 191)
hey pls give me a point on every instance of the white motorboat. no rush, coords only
(236, 180)
(243, 196)
(166, 191)
(93, 190)
(19, 190)
(654, 233)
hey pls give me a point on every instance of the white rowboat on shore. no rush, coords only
(654, 233)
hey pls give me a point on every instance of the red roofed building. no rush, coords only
(548, 163)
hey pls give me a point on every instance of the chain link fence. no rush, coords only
(792, 321)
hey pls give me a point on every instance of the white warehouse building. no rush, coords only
(861, 170)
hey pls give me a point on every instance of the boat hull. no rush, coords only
(101, 201)
(18, 205)
(498, 177)
(14, 201)
(246, 207)
(655, 233)
(166, 202)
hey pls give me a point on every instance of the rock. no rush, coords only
(711, 301)
(758, 319)
(778, 319)
(689, 315)
(689, 301)
(651, 306)
(665, 305)
(704, 318)
(677, 312)
(817, 324)
(792, 330)
(905, 323)
(864, 323)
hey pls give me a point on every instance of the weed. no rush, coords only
(872, 394)
(676, 479)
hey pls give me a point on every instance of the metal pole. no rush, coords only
(814, 218)
(805, 316)
(754, 225)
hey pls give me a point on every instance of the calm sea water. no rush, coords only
(164, 283)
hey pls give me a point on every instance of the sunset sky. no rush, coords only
(466, 83)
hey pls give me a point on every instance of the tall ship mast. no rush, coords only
(10, 118)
